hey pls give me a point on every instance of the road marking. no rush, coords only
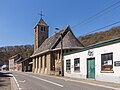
(15, 81)
(93, 84)
(45, 80)
(22, 81)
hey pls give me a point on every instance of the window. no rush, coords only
(45, 61)
(70, 50)
(42, 37)
(107, 62)
(42, 29)
(59, 55)
(34, 62)
(56, 55)
(77, 64)
(41, 61)
(68, 65)
(37, 62)
(66, 51)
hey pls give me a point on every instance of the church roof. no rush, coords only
(53, 42)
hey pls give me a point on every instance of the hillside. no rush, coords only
(100, 36)
(8, 51)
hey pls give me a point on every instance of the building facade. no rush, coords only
(27, 65)
(47, 56)
(15, 63)
(99, 61)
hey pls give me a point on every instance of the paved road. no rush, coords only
(29, 81)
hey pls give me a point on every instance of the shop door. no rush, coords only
(91, 68)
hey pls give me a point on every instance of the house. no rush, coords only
(15, 63)
(100, 61)
(27, 65)
(47, 50)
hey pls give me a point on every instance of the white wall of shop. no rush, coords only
(102, 76)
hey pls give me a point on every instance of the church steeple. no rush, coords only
(40, 33)
(42, 22)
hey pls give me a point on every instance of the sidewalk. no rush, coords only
(5, 83)
(95, 82)
(86, 81)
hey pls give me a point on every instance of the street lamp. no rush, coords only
(62, 62)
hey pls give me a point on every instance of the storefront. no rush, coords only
(99, 61)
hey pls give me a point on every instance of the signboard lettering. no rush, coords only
(117, 63)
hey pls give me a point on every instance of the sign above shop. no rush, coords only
(90, 53)
(117, 63)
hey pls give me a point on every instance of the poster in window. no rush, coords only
(109, 62)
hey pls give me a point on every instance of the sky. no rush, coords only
(18, 17)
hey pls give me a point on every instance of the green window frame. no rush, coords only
(68, 65)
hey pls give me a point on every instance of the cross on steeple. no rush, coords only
(41, 13)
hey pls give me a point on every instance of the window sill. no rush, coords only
(68, 71)
(107, 71)
(76, 71)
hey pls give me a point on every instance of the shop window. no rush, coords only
(77, 64)
(68, 64)
(107, 62)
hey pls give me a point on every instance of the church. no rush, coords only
(48, 51)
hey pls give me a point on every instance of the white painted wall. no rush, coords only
(11, 64)
(108, 77)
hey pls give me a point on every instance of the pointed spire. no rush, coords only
(42, 22)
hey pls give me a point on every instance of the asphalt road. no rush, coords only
(29, 81)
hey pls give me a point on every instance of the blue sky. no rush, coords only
(18, 17)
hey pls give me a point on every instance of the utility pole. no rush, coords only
(62, 62)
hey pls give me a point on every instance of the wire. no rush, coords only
(102, 14)
(103, 27)
(102, 11)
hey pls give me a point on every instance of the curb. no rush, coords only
(14, 83)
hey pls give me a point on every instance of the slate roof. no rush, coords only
(53, 42)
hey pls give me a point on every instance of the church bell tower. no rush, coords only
(40, 33)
